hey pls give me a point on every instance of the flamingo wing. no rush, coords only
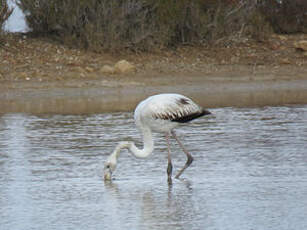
(173, 107)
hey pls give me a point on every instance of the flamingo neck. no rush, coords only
(148, 146)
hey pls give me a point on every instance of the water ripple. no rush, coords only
(250, 172)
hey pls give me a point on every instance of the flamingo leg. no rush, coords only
(169, 160)
(189, 156)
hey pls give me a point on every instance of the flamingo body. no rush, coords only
(164, 112)
(159, 113)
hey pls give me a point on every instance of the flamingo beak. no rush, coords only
(107, 175)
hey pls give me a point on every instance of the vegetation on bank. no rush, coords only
(5, 12)
(151, 24)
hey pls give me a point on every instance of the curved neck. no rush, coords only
(148, 145)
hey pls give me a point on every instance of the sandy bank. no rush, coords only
(41, 76)
(111, 96)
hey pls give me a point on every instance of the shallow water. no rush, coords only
(250, 172)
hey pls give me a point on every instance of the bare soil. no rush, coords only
(29, 64)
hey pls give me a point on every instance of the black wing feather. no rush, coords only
(183, 112)
(191, 117)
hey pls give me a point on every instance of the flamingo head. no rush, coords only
(111, 162)
(109, 168)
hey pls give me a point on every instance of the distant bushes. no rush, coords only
(286, 16)
(5, 12)
(147, 24)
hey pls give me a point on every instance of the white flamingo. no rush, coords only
(160, 113)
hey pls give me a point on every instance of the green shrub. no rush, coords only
(140, 24)
(286, 16)
(90, 23)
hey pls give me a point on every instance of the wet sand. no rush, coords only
(123, 93)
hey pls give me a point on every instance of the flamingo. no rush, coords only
(160, 113)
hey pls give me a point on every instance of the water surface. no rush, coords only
(250, 172)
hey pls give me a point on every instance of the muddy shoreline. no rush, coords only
(39, 76)
(115, 98)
